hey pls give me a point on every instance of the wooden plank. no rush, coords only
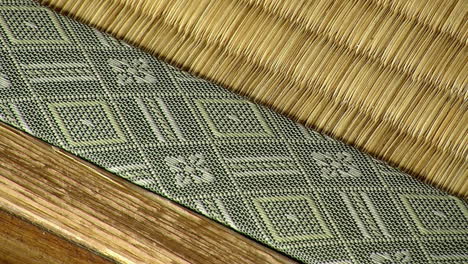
(108, 215)
(22, 242)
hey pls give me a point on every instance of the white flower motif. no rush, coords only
(336, 165)
(130, 72)
(189, 170)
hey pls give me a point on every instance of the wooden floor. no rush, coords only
(56, 208)
(23, 242)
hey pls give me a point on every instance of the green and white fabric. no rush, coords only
(300, 192)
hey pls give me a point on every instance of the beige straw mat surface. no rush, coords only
(387, 76)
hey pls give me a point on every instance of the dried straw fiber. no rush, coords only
(388, 76)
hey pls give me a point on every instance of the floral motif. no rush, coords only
(130, 72)
(336, 165)
(189, 170)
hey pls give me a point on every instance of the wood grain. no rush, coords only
(108, 215)
(22, 242)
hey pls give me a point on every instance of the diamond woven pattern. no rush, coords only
(302, 193)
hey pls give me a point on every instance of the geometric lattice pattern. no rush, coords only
(437, 214)
(86, 123)
(23, 25)
(301, 221)
(233, 118)
(302, 193)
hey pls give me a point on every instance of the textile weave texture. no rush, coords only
(300, 192)
(387, 76)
